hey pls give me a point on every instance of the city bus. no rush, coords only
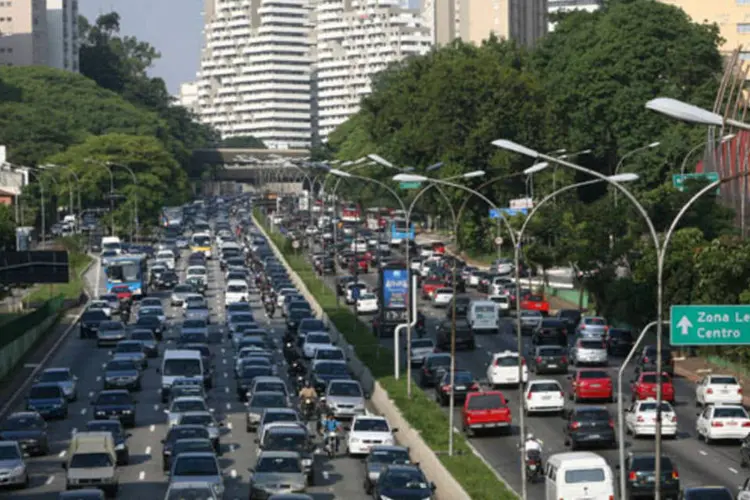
(130, 270)
(377, 218)
(398, 232)
(350, 213)
(201, 242)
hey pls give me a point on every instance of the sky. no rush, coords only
(173, 27)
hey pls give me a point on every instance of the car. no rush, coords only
(463, 384)
(367, 303)
(295, 439)
(115, 403)
(350, 295)
(258, 403)
(531, 321)
(543, 396)
(344, 398)
(189, 467)
(645, 384)
(269, 384)
(155, 311)
(122, 374)
(13, 465)
(640, 469)
(277, 472)
(179, 433)
(379, 459)
(368, 431)
(397, 478)
(712, 493)
(571, 318)
(485, 410)
(330, 353)
(324, 371)
(90, 321)
(713, 389)
(420, 348)
(272, 416)
(151, 323)
(432, 363)
(298, 311)
(464, 335)
(100, 305)
(595, 327)
(28, 429)
(148, 340)
(132, 350)
(722, 421)
(591, 383)
(549, 359)
(202, 490)
(503, 369)
(64, 378)
(180, 293)
(236, 291)
(640, 419)
(82, 494)
(589, 425)
(119, 436)
(182, 405)
(197, 310)
(589, 351)
(312, 341)
(110, 333)
(441, 297)
(48, 399)
(619, 341)
(207, 420)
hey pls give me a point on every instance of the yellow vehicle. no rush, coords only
(201, 242)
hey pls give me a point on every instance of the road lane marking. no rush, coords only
(91, 394)
(231, 448)
(223, 350)
(83, 411)
(702, 452)
(156, 407)
(229, 425)
(98, 379)
(224, 361)
(229, 406)
(233, 473)
(73, 431)
(148, 450)
(49, 480)
(141, 475)
(61, 454)
(152, 428)
(226, 375)
(226, 389)
(734, 470)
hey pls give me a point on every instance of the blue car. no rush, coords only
(48, 399)
(403, 481)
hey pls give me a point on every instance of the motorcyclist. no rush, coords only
(421, 323)
(270, 305)
(331, 429)
(308, 392)
(532, 444)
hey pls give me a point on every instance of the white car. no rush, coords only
(368, 431)
(165, 257)
(184, 404)
(313, 340)
(193, 297)
(282, 294)
(350, 291)
(101, 305)
(367, 303)
(359, 245)
(420, 348)
(442, 297)
(502, 301)
(503, 369)
(237, 291)
(722, 422)
(713, 389)
(498, 286)
(543, 395)
(311, 230)
(640, 418)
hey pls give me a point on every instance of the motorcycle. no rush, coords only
(533, 465)
(270, 308)
(308, 409)
(331, 444)
(291, 355)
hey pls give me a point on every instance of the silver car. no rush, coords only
(195, 326)
(420, 348)
(180, 293)
(133, 350)
(147, 338)
(12, 465)
(592, 326)
(531, 321)
(268, 384)
(198, 309)
(345, 398)
(182, 405)
(191, 489)
(277, 472)
(157, 311)
(64, 378)
(207, 420)
(197, 466)
(589, 351)
(150, 302)
(259, 403)
(110, 333)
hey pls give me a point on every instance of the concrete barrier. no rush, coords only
(447, 487)
(11, 354)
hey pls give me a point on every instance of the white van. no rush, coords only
(179, 363)
(578, 474)
(483, 316)
(112, 243)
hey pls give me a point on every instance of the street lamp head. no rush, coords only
(515, 147)
(473, 174)
(626, 177)
(380, 160)
(537, 167)
(347, 163)
(684, 111)
(655, 144)
(361, 160)
(559, 151)
(340, 173)
(410, 178)
(434, 166)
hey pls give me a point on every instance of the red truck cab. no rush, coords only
(591, 383)
(535, 302)
(644, 387)
(485, 411)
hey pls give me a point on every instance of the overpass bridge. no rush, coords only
(257, 167)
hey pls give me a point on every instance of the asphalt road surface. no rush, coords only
(143, 478)
(697, 463)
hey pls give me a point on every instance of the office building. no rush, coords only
(355, 40)
(188, 96)
(474, 20)
(254, 76)
(62, 34)
(561, 6)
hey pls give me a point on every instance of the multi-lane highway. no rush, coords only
(697, 463)
(143, 477)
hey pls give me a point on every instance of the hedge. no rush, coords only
(422, 413)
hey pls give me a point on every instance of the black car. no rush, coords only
(464, 335)
(84, 494)
(379, 459)
(646, 361)
(403, 482)
(549, 359)
(196, 259)
(176, 433)
(589, 425)
(571, 318)
(90, 321)
(193, 445)
(432, 364)
(116, 403)
(311, 325)
(619, 341)
(167, 280)
(119, 436)
(152, 323)
(247, 376)
(295, 439)
(708, 493)
(462, 306)
(296, 315)
(29, 429)
(640, 476)
(463, 383)
(323, 372)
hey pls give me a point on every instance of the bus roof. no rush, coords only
(126, 258)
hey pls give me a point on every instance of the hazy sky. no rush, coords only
(173, 27)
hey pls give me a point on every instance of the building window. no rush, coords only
(743, 27)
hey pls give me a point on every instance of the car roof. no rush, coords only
(278, 454)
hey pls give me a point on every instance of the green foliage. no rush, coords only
(242, 141)
(7, 228)
(422, 413)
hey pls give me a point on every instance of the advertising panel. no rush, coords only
(395, 288)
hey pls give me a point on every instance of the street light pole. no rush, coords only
(135, 196)
(111, 191)
(41, 198)
(720, 140)
(628, 155)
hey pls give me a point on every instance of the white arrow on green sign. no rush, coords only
(410, 185)
(678, 180)
(703, 325)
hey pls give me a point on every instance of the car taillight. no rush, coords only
(632, 476)
(529, 396)
(716, 424)
(446, 388)
(746, 424)
(645, 360)
(640, 418)
(675, 475)
(674, 418)
(739, 391)
(575, 425)
(564, 359)
(523, 362)
(611, 423)
(709, 391)
(538, 359)
(474, 386)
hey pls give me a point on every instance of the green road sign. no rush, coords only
(678, 180)
(710, 325)
(410, 185)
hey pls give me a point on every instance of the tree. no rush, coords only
(242, 141)
(7, 228)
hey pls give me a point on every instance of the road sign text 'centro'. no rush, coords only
(701, 325)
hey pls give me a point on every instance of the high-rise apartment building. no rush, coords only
(561, 6)
(188, 96)
(355, 40)
(474, 20)
(254, 77)
(39, 32)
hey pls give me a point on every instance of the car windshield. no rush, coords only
(268, 401)
(279, 416)
(194, 323)
(285, 441)
(182, 367)
(25, 422)
(592, 374)
(461, 378)
(205, 420)
(94, 315)
(331, 369)
(90, 460)
(196, 271)
(241, 318)
(279, 465)
(113, 399)
(111, 326)
(121, 365)
(371, 425)
(595, 321)
(151, 311)
(439, 360)
(142, 335)
(590, 344)
(651, 407)
(236, 289)
(345, 389)
(389, 456)
(551, 351)
(720, 412)
(408, 480)
(188, 445)
(486, 402)
(316, 338)
(270, 387)
(196, 466)
(186, 433)
(422, 344)
(331, 354)
(648, 463)
(591, 414)
(129, 347)
(55, 376)
(507, 361)
(650, 378)
(545, 387)
(45, 392)
(197, 305)
(190, 405)
(717, 493)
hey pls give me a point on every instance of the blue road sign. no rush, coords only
(507, 212)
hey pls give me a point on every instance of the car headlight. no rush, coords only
(354, 440)
(18, 470)
(127, 412)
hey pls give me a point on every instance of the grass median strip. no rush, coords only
(422, 413)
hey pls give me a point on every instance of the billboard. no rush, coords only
(395, 288)
(34, 267)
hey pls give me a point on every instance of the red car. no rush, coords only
(122, 291)
(360, 260)
(533, 302)
(430, 285)
(438, 247)
(591, 383)
(644, 387)
(485, 410)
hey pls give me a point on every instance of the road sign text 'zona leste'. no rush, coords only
(710, 325)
